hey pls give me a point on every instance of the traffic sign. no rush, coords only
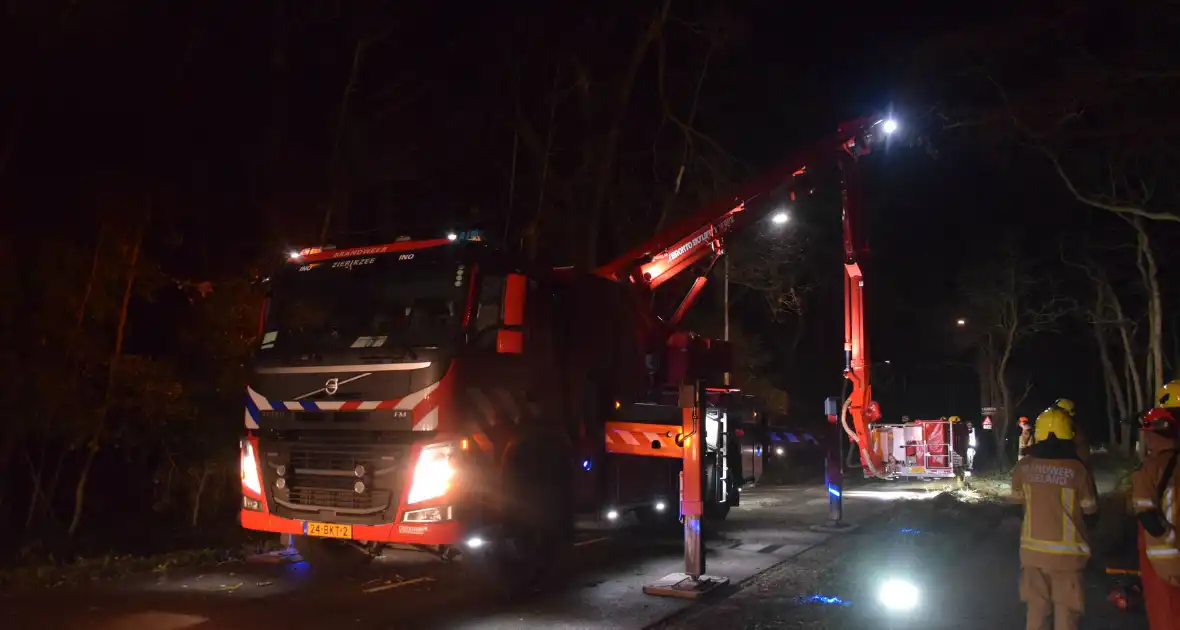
(988, 411)
(987, 423)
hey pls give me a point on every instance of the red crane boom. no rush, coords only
(702, 237)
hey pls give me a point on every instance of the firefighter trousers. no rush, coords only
(1051, 594)
(1161, 599)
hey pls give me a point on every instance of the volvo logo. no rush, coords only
(331, 386)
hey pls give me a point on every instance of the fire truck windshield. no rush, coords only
(374, 307)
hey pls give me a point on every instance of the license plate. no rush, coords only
(328, 530)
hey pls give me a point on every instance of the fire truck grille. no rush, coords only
(320, 481)
(310, 460)
(341, 497)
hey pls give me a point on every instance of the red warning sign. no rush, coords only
(987, 423)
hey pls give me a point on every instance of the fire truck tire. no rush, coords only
(537, 522)
(715, 509)
(652, 519)
(329, 555)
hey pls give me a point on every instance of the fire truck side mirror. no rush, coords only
(510, 338)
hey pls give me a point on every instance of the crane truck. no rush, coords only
(445, 395)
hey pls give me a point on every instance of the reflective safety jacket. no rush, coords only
(1151, 492)
(1056, 491)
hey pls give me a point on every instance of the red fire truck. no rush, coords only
(444, 395)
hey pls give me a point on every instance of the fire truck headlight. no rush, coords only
(433, 473)
(889, 126)
(250, 478)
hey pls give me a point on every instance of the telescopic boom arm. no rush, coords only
(702, 236)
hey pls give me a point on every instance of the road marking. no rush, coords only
(386, 587)
(590, 542)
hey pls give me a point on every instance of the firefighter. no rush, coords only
(1154, 490)
(1057, 493)
(971, 446)
(1026, 437)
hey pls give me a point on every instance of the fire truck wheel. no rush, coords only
(715, 509)
(653, 519)
(325, 554)
(537, 521)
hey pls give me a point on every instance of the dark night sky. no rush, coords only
(797, 71)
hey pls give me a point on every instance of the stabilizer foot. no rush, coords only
(834, 528)
(683, 586)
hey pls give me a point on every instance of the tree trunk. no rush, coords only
(606, 163)
(1116, 403)
(80, 489)
(1134, 382)
(1155, 316)
(196, 514)
(532, 231)
(94, 442)
(1004, 412)
(337, 194)
(50, 492)
(277, 120)
(35, 473)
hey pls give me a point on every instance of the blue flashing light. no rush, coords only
(757, 451)
(834, 492)
(823, 599)
(585, 464)
(910, 530)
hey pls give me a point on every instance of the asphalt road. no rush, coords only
(600, 584)
(961, 559)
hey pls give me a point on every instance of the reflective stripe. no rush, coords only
(1028, 512)
(1069, 531)
(1170, 505)
(1162, 552)
(1143, 503)
(1081, 549)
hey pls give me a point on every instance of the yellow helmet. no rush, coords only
(1054, 421)
(1065, 405)
(955, 419)
(1168, 396)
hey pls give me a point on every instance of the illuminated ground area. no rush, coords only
(601, 587)
(929, 565)
(938, 562)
